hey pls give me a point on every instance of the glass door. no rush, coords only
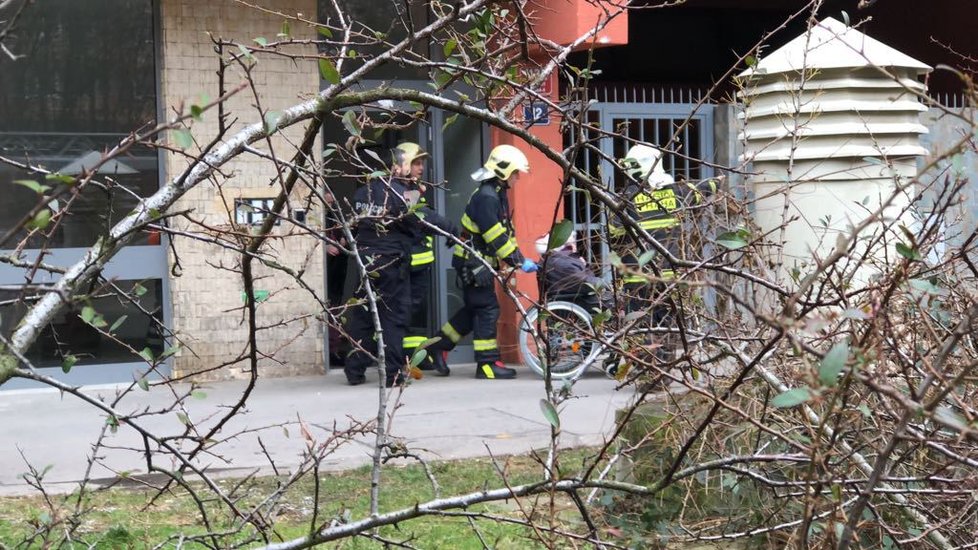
(459, 150)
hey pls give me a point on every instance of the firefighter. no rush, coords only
(408, 164)
(389, 223)
(656, 202)
(489, 231)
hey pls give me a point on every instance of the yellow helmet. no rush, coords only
(406, 153)
(502, 162)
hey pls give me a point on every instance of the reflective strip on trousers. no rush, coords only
(484, 345)
(413, 341)
(664, 274)
(452, 334)
(422, 258)
(659, 224)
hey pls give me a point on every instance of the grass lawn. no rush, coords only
(124, 518)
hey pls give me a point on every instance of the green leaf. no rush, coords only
(908, 252)
(118, 323)
(792, 398)
(172, 350)
(449, 47)
(139, 290)
(88, 313)
(559, 234)
(418, 356)
(272, 118)
(832, 364)
(60, 178)
(324, 31)
(33, 186)
(147, 354)
(286, 31)
(143, 383)
(732, 240)
(449, 121)
(635, 316)
(183, 418)
(442, 78)
(198, 394)
(751, 61)
(351, 123)
(246, 52)
(550, 413)
(67, 362)
(646, 257)
(261, 41)
(925, 286)
(41, 220)
(183, 138)
(327, 70)
(865, 410)
(196, 111)
(430, 342)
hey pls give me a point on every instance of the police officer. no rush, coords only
(387, 226)
(489, 231)
(657, 203)
(408, 163)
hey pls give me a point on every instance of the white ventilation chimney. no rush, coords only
(831, 127)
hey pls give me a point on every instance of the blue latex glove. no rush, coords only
(529, 266)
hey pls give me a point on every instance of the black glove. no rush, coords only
(482, 276)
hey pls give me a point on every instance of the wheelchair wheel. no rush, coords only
(565, 345)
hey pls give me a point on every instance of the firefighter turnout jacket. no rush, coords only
(659, 211)
(488, 226)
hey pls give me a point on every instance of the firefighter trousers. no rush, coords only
(478, 315)
(417, 329)
(389, 277)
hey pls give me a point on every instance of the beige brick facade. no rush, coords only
(207, 300)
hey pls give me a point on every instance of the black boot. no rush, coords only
(439, 363)
(494, 371)
(354, 377)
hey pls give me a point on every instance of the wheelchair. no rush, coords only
(566, 344)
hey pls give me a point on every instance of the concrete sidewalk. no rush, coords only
(443, 418)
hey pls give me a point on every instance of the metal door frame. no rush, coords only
(606, 113)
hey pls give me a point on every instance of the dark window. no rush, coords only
(75, 332)
(84, 78)
(378, 24)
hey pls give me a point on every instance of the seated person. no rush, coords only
(566, 275)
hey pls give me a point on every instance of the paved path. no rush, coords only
(455, 417)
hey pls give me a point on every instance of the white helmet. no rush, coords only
(569, 244)
(502, 162)
(644, 162)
